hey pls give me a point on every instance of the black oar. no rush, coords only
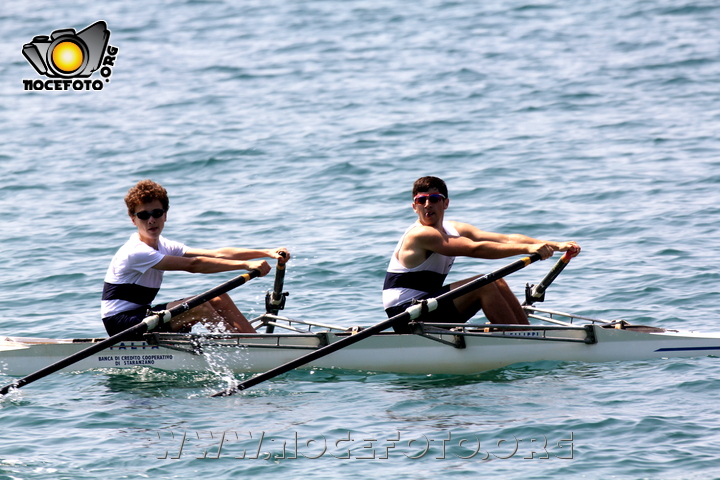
(148, 324)
(411, 313)
(275, 300)
(536, 293)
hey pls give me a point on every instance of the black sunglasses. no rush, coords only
(421, 198)
(144, 215)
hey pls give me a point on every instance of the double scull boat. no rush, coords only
(430, 349)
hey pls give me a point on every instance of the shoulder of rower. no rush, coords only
(424, 238)
(424, 231)
(463, 229)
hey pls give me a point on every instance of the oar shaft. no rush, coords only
(76, 357)
(214, 292)
(410, 314)
(149, 323)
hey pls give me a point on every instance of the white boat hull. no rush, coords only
(386, 352)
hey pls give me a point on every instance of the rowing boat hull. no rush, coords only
(386, 352)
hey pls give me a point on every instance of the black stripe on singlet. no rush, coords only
(129, 292)
(425, 281)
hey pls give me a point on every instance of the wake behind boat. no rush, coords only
(431, 349)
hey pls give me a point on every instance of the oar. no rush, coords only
(536, 293)
(148, 324)
(275, 301)
(411, 313)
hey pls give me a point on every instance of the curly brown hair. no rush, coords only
(145, 192)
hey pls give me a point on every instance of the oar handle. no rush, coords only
(277, 293)
(147, 324)
(410, 313)
(537, 292)
(275, 301)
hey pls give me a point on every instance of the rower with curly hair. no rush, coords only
(136, 271)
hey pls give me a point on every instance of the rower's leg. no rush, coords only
(202, 313)
(470, 303)
(513, 303)
(498, 302)
(219, 310)
(231, 314)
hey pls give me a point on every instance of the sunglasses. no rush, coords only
(144, 215)
(420, 199)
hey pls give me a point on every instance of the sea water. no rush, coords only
(303, 124)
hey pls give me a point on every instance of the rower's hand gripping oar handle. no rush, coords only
(536, 293)
(411, 313)
(278, 297)
(146, 325)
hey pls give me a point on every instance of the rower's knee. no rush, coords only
(491, 289)
(219, 300)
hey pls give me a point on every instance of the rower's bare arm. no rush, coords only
(478, 235)
(556, 246)
(204, 264)
(432, 240)
(232, 253)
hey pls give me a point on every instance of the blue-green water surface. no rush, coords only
(304, 123)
